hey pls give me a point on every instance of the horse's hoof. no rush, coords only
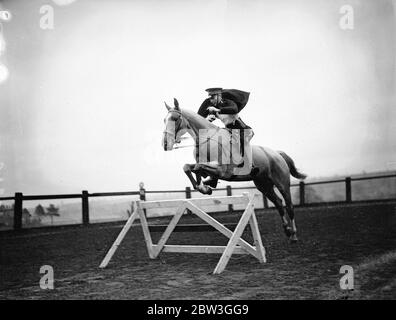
(204, 189)
(288, 231)
(199, 189)
(293, 238)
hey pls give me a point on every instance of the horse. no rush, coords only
(271, 168)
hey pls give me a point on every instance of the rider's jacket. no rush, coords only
(233, 101)
(226, 106)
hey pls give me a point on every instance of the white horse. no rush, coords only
(271, 168)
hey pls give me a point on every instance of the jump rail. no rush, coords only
(235, 244)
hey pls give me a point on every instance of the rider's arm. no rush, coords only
(203, 108)
(228, 107)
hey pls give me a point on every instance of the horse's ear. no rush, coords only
(176, 103)
(167, 107)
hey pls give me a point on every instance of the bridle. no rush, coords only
(178, 124)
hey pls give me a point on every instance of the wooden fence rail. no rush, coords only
(19, 198)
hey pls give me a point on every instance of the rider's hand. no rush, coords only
(213, 110)
(211, 117)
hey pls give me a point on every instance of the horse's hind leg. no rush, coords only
(290, 212)
(267, 189)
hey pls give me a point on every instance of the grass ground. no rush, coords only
(362, 236)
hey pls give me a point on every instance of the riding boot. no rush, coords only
(246, 152)
(241, 148)
(232, 129)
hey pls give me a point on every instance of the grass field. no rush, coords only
(362, 236)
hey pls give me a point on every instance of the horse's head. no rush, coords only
(175, 126)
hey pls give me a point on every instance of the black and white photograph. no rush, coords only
(197, 155)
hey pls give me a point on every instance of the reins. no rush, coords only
(182, 117)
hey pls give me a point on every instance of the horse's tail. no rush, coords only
(292, 167)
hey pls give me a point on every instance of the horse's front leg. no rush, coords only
(211, 182)
(188, 168)
(197, 184)
(208, 169)
(200, 170)
(201, 187)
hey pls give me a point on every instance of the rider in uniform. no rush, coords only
(226, 104)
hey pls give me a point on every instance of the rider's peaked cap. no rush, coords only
(211, 91)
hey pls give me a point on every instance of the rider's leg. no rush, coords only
(236, 146)
(245, 135)
(248, 135)
(246, 167)
(242, 142)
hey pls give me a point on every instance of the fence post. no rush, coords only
(188, 193)
(85, 208)
(229, 193)
(302, 193)
(142, 196)
(18, 210)
(348, 189)
(188, 196)
(142, 191)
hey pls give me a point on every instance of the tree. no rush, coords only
(26, 216)
(52, 212)
(39, 212)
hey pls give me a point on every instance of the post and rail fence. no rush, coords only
(19, 197)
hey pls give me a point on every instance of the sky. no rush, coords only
(81, 104)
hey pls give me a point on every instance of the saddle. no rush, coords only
(233, 154)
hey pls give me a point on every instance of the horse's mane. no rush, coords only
(199, 119)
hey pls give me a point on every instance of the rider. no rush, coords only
(226, 105)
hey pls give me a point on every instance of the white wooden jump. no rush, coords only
(235, 244)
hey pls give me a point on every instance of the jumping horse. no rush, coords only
(272, 168)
